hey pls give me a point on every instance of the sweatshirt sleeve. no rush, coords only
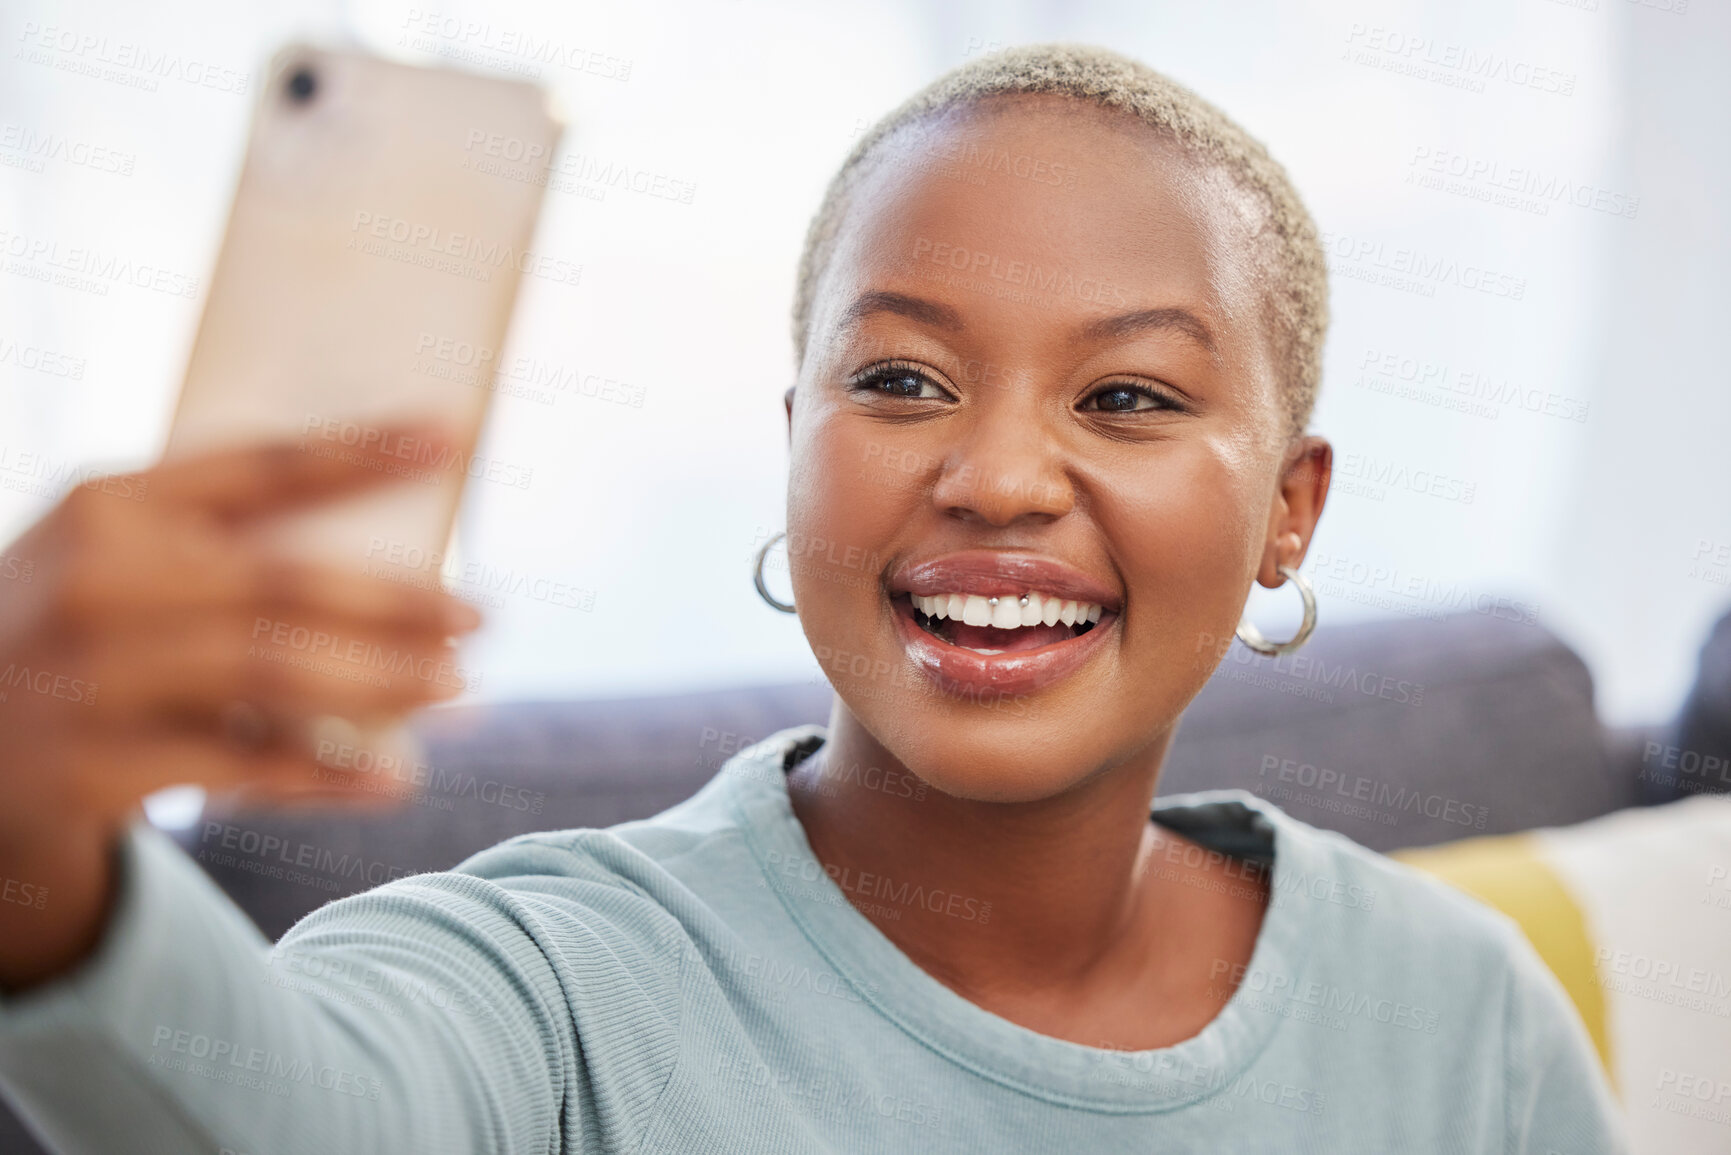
(1558, 1100)
(422, 1017)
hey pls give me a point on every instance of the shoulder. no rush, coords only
(580, 945)
(1369, 898)
(1474, 983)
(1332, 885)
(1382, 940)
(655, 880)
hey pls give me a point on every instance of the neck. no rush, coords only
(990, 898)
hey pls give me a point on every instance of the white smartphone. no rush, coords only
(367, 242)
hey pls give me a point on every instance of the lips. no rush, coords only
(1032, 657)
(993, 574)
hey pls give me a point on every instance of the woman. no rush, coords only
(1059, 326)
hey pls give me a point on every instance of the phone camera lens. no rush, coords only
(302, 83)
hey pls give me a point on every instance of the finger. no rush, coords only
(176, 563)
(193, 667)
(262, 478)
(107, 773)
(316, 792)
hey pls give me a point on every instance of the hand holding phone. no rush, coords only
(151, 611)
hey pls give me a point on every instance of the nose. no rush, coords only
(1007, 468)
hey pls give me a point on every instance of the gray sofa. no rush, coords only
(1393, 733)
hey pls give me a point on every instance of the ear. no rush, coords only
(1297, 506)
(788, 400)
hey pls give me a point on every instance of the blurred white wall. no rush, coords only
(1524, 388)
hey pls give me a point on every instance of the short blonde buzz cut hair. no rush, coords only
(1289, 251)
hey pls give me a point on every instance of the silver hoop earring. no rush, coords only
(757, 576)
(1252, 637)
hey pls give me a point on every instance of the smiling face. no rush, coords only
(1038, 367)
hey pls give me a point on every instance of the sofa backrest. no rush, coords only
(1400, 733)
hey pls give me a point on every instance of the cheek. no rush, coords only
(844, 506)
(849, 504)
(1188, 532)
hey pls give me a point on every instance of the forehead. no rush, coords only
(1049, 212)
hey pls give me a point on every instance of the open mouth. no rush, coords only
(1004, 624)
(988, 627)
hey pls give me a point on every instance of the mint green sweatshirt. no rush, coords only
(697, 982)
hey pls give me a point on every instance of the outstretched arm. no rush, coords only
(423, 1017)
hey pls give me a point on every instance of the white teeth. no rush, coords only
(1011, 612)
(1031, 611)
(977, 650)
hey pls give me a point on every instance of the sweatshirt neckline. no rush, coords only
(1037, 1065)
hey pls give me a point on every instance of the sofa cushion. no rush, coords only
(1405, 733)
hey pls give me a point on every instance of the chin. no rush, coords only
(984, 759)
(1011, 749)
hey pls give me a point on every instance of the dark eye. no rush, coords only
(902, 381)
(903, 384)
(1126, 399)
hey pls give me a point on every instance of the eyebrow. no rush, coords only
(914, 308)
(1143, 320)
(1173, 318)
